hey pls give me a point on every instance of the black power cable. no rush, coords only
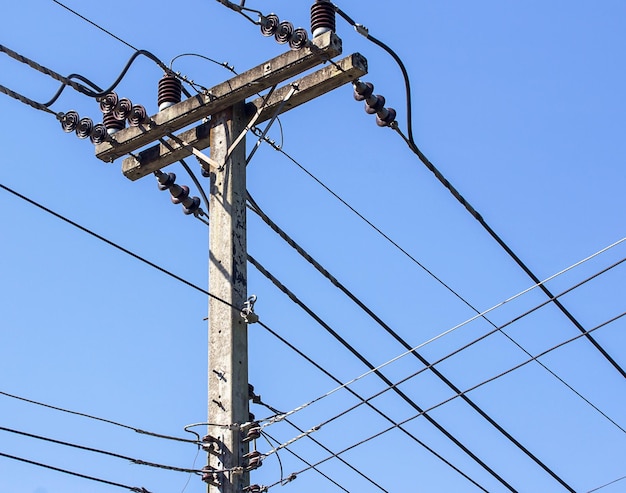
(102, 452)
(402, 341)
(436, 278)
(71, 473)
(188, 283)
(378, 373)
(442, 179)
(422, 413)
(369, 404)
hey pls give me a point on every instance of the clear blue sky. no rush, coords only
(520, 104)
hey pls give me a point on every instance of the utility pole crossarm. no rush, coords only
(221, 97)
(311, 86)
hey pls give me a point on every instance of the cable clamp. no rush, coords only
(362, 30)
(247, 312)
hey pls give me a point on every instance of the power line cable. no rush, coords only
(47, 210)
(373, 369)
(115, 245)
(458, 326)
(102, 452)
(71, 473)
(297, 456)
(255, 208)
(422, 413)
(403, 342)
(457, 195)
(44, 70)
(152, 265)
(27, 101)
(96, 418)
(369, 404)
(482, 337)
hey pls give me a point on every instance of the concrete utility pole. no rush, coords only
(228, 334)
(230, 118)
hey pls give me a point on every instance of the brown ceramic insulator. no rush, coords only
(169, 92)
(322, 17)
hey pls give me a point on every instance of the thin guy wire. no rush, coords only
(456, 327)
(465, 391)
(607, 484)
(102, 452)
(405, 344)
(431, 274)
(71, 473)
(367, 363)
(268, 437)
(482, 337)
(318, 443)
(95, 25)
(457, 195)
(369, 404)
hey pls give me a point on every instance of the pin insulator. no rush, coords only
(169, 91)
(209, 476)
(69, 121)
(84, 128)
(112, 124)
(269, 25)
(253, 433)
(253, 459)
(322, 17)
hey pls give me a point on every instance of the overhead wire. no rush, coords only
(369, 404)
(427, 270)
(420, 265)
(460, 325)
(99, 451)
(462, 200)
(118, 247)
(376, 371)
(76, 474)
(422, 413)
(402, 341)
(189, 284)
(483, 337)
(96, 418)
